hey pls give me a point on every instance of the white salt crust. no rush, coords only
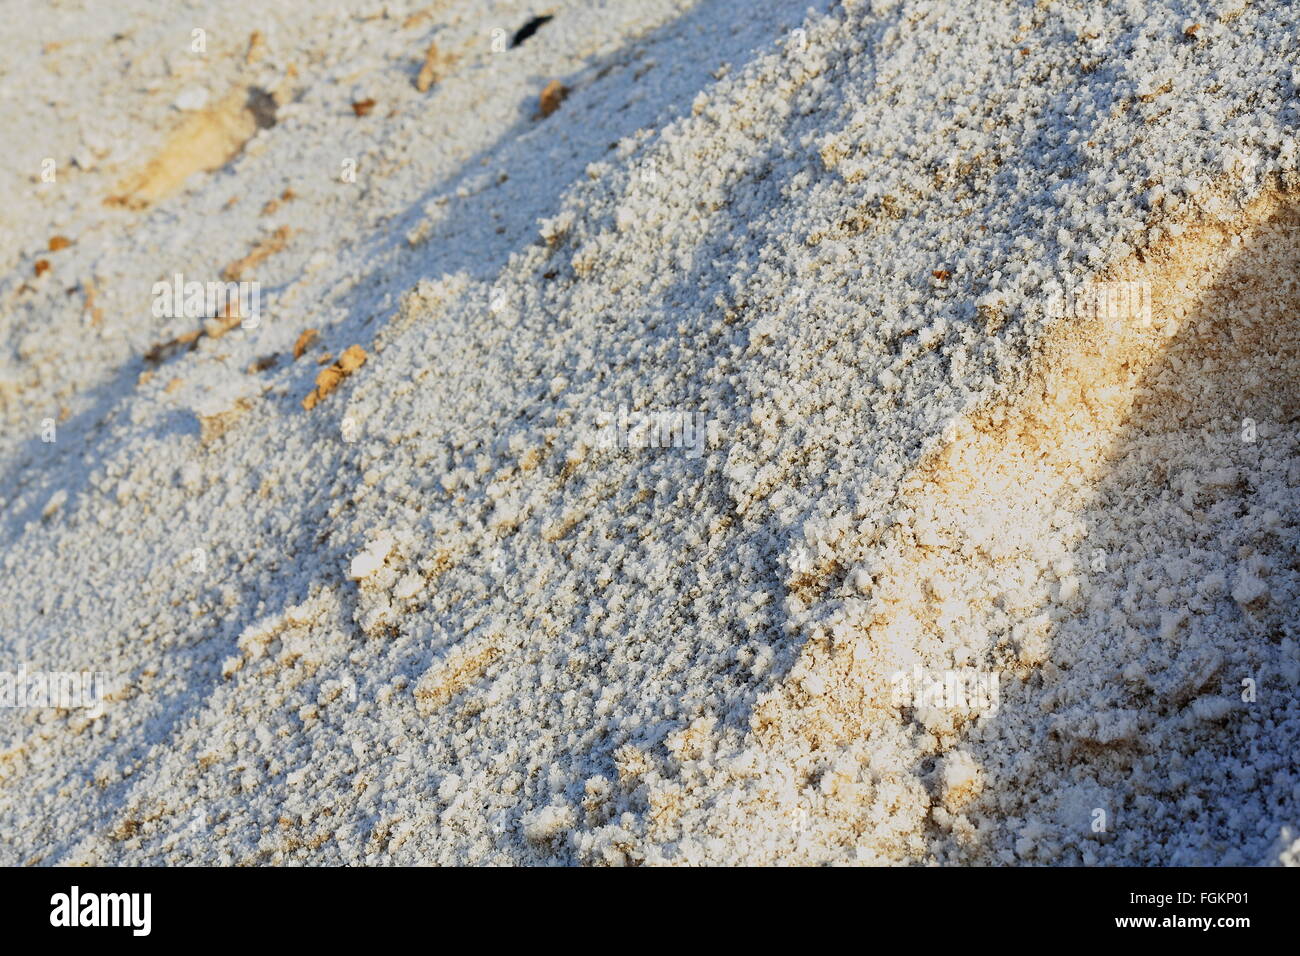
(438, 619)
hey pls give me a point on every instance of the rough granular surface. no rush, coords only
(669, 432)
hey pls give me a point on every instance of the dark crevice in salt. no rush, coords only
(529, 28)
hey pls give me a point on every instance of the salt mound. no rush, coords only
(724, 480)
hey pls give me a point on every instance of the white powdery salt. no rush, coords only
(830, 245)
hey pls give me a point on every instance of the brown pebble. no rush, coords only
(305, 338)
(429, 70)
(352, 358)
(328, 379)
(553, 96)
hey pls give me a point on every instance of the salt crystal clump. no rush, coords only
(372, 558)
(408, 586)
(192, 98)
(191, 476)
(1249, 589)
(541, 826)
(960, 778)
(1211, 708)
(448, 786)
